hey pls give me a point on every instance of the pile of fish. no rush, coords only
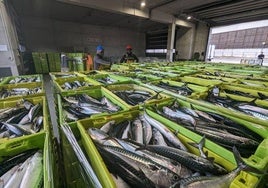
(134, 97)
(181, 90)
(249, 108)
(4, 93)
(25, 80)
(82, 106)
(106, 80)
(75, 84)
(20, 120)
(23, 170)
(144, 153)
(215, 127)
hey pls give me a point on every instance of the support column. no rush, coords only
(170, 42)
(9, 61)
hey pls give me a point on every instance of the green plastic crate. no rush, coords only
(37, 63)
(54, 62)
(199, 81)
(259, 160)
(8, 79)
(96, 93)
(62, 75)
(123, 87)
(34, 100)
(118, 79)
(253, 83)
(221, 155)
(23, 85)
(3, 80)
(196, 88)
(19, 145)
(60, 81)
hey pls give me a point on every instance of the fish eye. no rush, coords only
(175, 177)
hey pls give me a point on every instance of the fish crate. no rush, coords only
(3, 80)
(54, 62)
(253, 83)
(196, 89)
(155, 97)
(40, 62)
(22, 79)
(89, 73)
(96, 93)
(240, 90)
(34, 89)
(63, 75)
(89, 84)
(260, 87)
(33, 100)
(72, 172)
(163, 74)
(120, 67)
(146, 77)
(237, 99)
(41, 141)
(108, 79)
(221, 78)
(198, 81)
(222, 156)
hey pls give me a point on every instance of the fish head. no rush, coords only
(164, 178)
(97, 134)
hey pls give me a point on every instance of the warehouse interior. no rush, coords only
(79, 26)
(196, 87)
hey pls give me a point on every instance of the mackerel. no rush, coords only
(147, 130)
(179, 115)
(138, 131)
(159, 175)
(166, 132)
(218, 181)
(34, 172)
(158, 138)
(187, 159)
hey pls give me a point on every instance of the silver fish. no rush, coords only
(166, 132)
(138, 131)
(16, 178)
(217, 181)
(107, 126)
(101, 137)
(5, 178)
(110, 105)
(158, 138)
(120, 183)
(179, 115)
(34, 172)
(158, 174)
(147, 130)
(127, 132)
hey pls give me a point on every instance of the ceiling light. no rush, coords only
(143, 4)
(189, 17)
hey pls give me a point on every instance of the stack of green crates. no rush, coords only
(40, 62)
(54, 62)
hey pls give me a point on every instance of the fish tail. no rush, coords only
(242, 165)
(262, 96)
